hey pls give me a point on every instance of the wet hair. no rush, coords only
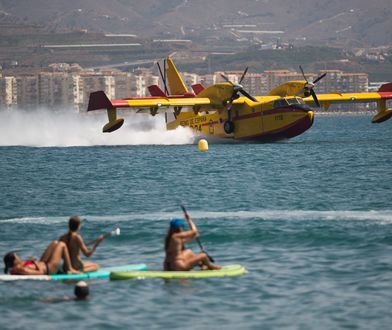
(170, 233)
(81, 290)
(74, 223)
(9, 260)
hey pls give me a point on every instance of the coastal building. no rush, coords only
(207, 80)
(254, 83)
(27, 91)
(64, 86)
(190, 79)
(56, 90)
(8, 93)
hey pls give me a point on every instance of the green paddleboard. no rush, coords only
(229, 270)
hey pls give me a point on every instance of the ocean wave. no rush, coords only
(384, 216)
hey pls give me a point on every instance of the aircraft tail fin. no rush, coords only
(197, 88)
(98, 100)
(155, 90)
(175, 82)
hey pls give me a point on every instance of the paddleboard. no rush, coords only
(229, 270)
(100, 273)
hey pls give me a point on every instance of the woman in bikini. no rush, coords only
(50, 262)
(177, 256)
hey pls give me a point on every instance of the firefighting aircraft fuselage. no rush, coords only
(220, 111)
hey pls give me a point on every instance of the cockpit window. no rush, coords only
(300, 100)
(292, 100)
(280, 103)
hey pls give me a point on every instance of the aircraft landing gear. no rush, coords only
(228, 127)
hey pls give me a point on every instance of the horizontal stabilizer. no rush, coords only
(155, 90)
(99, 100)
(197, 88)
(385, 88)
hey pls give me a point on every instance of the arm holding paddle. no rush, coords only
(114, 232)
(88, 252)
(190, 222)
(192, 226)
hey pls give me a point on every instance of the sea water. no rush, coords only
(310, 218)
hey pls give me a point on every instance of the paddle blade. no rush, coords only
(115, 232)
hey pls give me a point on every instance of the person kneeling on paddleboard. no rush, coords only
(75, 244)
(50, 262)
(177, 256)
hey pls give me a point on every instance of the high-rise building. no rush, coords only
(8, 93)
(27, 87)
(56, 90)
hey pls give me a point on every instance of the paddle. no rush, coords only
(197, 238)
(114, 232)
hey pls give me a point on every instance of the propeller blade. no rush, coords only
(243, 75)
(315, 98)
(225, 78)
(320, 77)
(250, 97)
(303, 74)
(163, 77)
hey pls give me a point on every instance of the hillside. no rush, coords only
(350, 23)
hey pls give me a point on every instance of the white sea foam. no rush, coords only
(45, 128)
(381, 216)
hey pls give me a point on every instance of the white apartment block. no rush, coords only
(8, 93)
(71, 89)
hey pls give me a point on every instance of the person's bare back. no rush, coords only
(75, 244)
(72, 240)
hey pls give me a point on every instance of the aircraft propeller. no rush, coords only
(237, 90)
(308, 89)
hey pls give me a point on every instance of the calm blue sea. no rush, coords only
(310, 218)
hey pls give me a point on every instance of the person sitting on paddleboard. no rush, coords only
(50, 262)
(177, 257)
(75, 244)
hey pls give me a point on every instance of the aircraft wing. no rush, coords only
(98, 100)
(381, 97)
(384, 93)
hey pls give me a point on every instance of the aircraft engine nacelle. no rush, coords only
(288, 88)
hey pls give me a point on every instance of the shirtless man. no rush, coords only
(177, 257)
(75, 244)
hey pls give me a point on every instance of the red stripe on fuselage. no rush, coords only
(120, 103)
(385, 95)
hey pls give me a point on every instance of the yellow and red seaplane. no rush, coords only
(226, 110)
